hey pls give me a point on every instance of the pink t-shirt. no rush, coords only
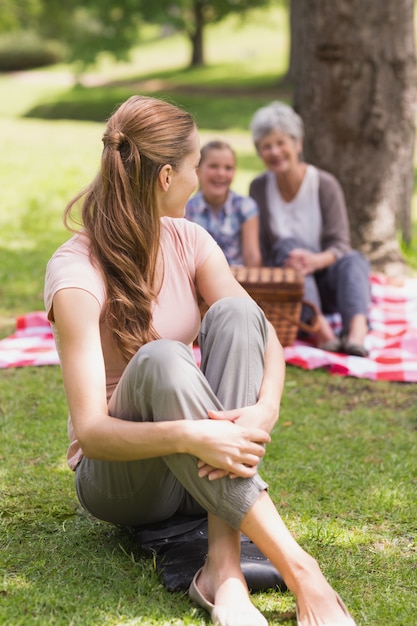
(185, 247)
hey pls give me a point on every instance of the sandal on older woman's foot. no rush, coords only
(223, 616)
(347, 620)
(354, 349)
(333, 345)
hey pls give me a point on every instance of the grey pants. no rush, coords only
(342, 287)
(162, 382)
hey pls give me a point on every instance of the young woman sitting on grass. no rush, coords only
(151, 434)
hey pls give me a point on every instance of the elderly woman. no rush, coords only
(304, 225)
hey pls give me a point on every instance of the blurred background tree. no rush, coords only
(89, 27)
(85, 28)
(192, 16)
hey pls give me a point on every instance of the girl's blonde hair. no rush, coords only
(120, 215)
(216, 144)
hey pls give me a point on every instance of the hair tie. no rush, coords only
(114, 139)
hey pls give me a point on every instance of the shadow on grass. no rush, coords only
(219, 103)
(98, 103)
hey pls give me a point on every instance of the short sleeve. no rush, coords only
(71, 267)
(249, 209)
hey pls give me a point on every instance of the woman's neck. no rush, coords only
(290, 182)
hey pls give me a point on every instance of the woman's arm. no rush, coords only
(77, 314)
(270, 394)
(336, 232)
(257, 191)
(250, 242)
(264, 413)
(335, 235)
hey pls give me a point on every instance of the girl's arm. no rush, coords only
(250, 242)
(215, 280)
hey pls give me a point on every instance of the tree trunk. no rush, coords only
(196, 37)
(297, 40)
(356, 93)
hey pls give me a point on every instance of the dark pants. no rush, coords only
(342, 287)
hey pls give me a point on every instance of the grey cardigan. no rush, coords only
(335, 234)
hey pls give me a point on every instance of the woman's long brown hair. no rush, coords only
(120, 215)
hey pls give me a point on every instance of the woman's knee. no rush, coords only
(233, 307)
(158, 351)
(160, 372)
(233, 314)
(163, 361)
(354, 261)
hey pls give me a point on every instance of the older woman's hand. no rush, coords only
(309, 262)
(302, 260)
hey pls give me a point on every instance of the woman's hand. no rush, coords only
(249, 416)
(309, 262)
(226, 448)
(257, 415)
(302, 260)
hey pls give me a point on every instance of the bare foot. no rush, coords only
(319, 605)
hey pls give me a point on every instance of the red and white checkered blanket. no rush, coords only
(392, 340)
(32, 343)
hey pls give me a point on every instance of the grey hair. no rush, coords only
(276, 116)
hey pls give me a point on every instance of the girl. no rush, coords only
(231, 219)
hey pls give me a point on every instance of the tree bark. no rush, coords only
(196, 37)
(356, 92)
(297, 40)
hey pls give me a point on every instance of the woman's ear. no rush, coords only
(165, 177)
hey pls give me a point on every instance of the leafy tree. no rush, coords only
(18, 15)
(92, 26)
(86, 28)
(89, 27)
(192, 16)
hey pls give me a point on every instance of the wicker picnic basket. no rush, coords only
(279, 292)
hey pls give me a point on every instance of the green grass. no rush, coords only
(342, 466)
